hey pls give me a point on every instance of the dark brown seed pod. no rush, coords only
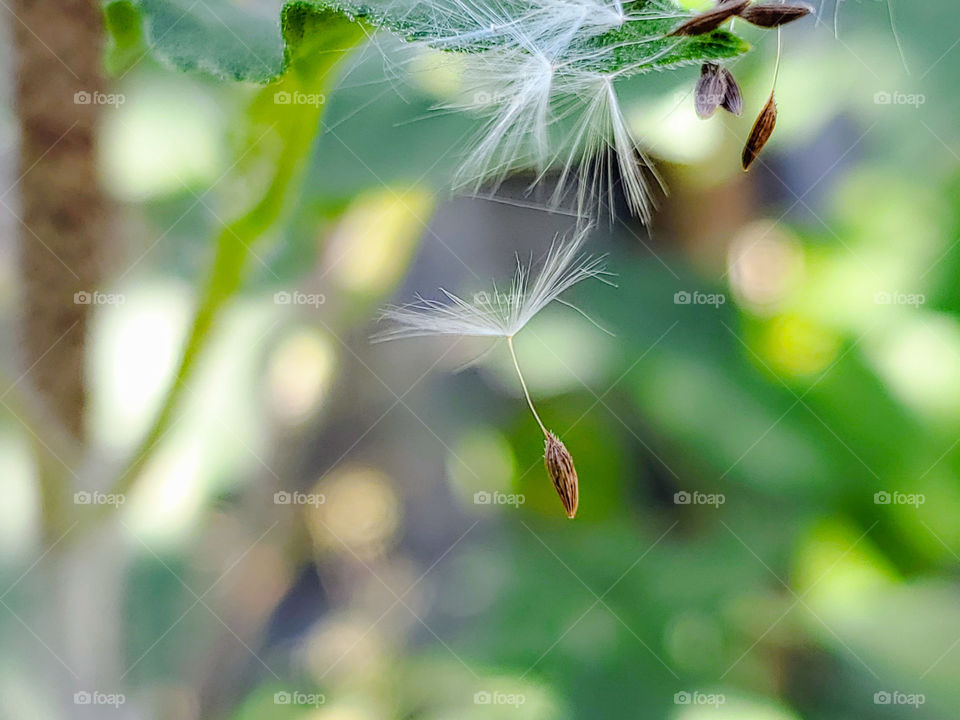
(769, 15)
(560, 467)
(732, 99)
(711, 19)
(762, 130)
(717, 87)
(711, 89)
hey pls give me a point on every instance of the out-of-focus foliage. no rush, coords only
(788, 341)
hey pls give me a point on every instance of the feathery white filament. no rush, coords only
(497, 314)
(532, 71)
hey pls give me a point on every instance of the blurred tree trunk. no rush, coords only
(64, 221)
(63, 211)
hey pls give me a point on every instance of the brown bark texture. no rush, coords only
(62, 209)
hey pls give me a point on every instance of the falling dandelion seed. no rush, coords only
(503, 315)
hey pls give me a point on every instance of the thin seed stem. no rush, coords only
(523, 384)
(776, 70)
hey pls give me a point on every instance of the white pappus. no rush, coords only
(545, 85)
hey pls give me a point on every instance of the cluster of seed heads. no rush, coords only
(717, 87)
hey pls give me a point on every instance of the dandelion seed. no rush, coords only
(732, 98)
(559, 464)
(717, 88)
(711, 19)
(767, 119)
(711, 90)
(503, 315)
(769, 15)
(762, 130)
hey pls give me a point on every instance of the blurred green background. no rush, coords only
(819, 396)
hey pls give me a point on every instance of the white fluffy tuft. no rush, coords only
(543, 110)
(496, 313)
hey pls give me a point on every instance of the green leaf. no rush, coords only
(663, 52)
(217, 37)
(126, 44)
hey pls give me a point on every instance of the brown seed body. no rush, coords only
(559, 464)
(717, 88)
(732, 99)
(768, 15)
(711, 19)
(762, 130)
(711, 89)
